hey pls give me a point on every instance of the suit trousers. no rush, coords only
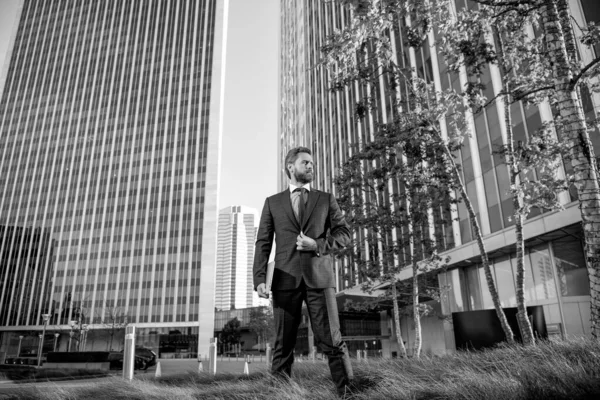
(323, 313)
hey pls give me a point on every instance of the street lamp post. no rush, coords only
(56, 335)
(45, 317)
(19, 348)
(40, 348)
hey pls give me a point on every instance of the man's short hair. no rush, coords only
(292, 156)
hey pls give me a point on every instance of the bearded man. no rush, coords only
(308, 227)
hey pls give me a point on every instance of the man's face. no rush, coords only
(302, 168)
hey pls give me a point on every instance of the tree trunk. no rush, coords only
(415, 275)
(480, 243)
(416, 314)
(522, 318)
(581, 153)
(397, 321)
(524, 324)
(518, 205)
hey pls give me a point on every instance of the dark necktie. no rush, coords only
(301, 204)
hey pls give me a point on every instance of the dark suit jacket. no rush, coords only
(323, 221)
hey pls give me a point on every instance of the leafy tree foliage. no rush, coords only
(230, 335)
(364, 56)
(534, 44)
(262, 324)
(388, 189)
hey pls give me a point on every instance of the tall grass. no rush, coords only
(551, 370)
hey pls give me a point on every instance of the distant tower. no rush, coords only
(235, 255)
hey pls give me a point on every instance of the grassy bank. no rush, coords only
(563, 370)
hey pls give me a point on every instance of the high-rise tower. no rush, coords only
(325, 121)
(235, 255)
(110, 132)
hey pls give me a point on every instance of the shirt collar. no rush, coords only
(292, 187)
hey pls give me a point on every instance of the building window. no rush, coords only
(451, 286)
(473, 287)
(505, 282)
(544, 285)
(570, 265)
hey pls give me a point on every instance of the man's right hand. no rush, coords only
(262, 291)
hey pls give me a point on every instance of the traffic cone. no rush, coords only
(246, 367)
(158, 372)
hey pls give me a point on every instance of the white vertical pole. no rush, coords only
(129, 352)
(268, 355)
(212, 356)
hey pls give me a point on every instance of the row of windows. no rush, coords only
(135, 269)
(549, 271)
(181, 283)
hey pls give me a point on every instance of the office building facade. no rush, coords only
(110, 133)
(311, 115)
(235, 256)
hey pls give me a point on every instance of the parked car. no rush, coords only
(144, 359)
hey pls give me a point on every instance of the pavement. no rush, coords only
(168, 367)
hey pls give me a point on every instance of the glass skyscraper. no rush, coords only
(110, 132)
(235, 256)
(312, 115)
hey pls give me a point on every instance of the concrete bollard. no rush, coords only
(358, 355)
(314, 353)
(200, 367)
(212, 356)
(158, 372)
(268, 355)
(365, 355)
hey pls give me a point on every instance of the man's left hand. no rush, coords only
(304, 243)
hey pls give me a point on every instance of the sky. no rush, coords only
(249, 151)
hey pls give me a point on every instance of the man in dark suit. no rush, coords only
(308, 227)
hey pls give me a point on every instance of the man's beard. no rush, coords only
(303, 178)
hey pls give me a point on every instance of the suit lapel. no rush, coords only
(286, 202)
(313, 198)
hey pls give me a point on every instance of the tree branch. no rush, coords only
(523, 95)
(514, 3)
(585, 69)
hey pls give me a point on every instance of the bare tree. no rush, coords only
(114, 320)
